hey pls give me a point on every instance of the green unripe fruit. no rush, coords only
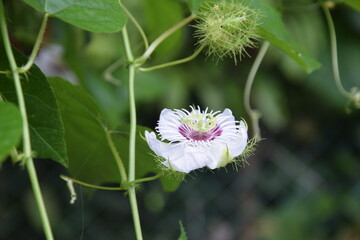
(227, 28)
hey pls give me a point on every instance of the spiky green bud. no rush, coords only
(227, 28)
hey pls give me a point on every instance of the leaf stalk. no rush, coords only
(36, 47)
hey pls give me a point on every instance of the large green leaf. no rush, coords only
(90, 157)
(95, 16)
(46, 128)
(10, 128)
(273, 29)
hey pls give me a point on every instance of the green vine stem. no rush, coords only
(131, 190)
(254, 114)
(117, 157)
(137, 25)
(150, 49)
(162, 37)
(147, 179)
(335, 64)
(26, 135)
(36, 48)
(66, 178)
(169, 64)
(140, 180)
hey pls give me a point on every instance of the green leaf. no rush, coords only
(46, 128)
(10, 128)
(273, 29)
(96, 16)
(353, 3)
(182, 232)
(90, 157)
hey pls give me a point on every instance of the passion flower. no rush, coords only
(197, 139)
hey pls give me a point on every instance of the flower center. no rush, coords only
(200, 127)
(201, 122)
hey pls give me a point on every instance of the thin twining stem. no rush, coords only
(162, 37)
(254, 114)
(149, 49)
(36, 48)
(66, 178)
(334, 57)
(137, 25)
(117, 157)
(124, 187)
(169, 64)
(147, 179)
(26, 134)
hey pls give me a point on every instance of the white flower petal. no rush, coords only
(188, 158)
(226, 118)
(175, 155)
(168, 126)
(162, 149)
(153, 143)
(219, 155)
(235, 136)
(238, 144)
(195, 157)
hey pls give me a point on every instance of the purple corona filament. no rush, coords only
(194, 135)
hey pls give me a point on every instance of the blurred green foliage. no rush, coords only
(303, 180)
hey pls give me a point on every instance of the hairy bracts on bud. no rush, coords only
(226, 28)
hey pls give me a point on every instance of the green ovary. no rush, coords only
(200, 122)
